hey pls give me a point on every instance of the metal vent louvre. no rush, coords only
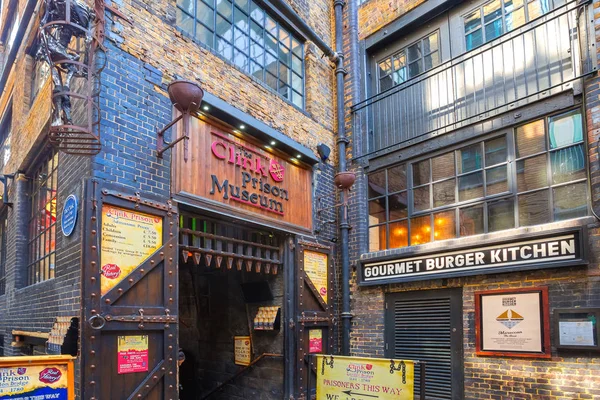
(422, 331)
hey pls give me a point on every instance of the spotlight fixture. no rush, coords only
(324, 151)
(242, 126)
(206, 108)
(273, 143)
(298, 155)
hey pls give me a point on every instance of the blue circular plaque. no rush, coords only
(69, 215)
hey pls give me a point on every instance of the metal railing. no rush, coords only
(539, 59)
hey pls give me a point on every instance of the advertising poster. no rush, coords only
(132, 354)
(315, 266)
(511, 322)
(345, 378)
(242, 350)
(26, 380)
(128, 238)
(315, 341)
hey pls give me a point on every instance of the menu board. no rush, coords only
(315, 266)
(128, 239)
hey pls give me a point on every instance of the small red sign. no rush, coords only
(111, 271)
(50, 375)
(276, 170)
(21, 370)
(315, 341)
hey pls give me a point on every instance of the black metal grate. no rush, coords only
(422, 331)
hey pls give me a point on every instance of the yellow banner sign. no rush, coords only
(243, 350)
(40, 377)
(315, 266)
(128, 239)
(358, 378)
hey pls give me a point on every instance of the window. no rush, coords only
(10, 34)
(3, 226)
(497, 17)
(532, 175)
(246, 35)
(409, 62)
(5, 134)
(42, 224)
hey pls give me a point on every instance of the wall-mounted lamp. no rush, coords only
(324, 151)
(186, 97)
(4, 179)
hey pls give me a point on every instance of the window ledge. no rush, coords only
(34, 285)
(478, 240)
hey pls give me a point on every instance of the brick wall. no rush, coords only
(375, 14)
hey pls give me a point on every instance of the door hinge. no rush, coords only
(387, 346)
(386, 305)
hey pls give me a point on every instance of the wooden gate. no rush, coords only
(315, 320)
(130, 296)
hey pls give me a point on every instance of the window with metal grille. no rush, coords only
(409, 62)
(533, 174)
(497, 17)
(246, 35)
(5, 134)
(42, 223)
(3, 226)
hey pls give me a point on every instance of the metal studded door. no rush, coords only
(315, 309)
(130, 296)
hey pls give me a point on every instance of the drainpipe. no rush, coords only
(342, 142)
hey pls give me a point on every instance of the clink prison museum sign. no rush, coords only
(559, 249)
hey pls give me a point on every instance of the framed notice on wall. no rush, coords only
(577, 328)
(512, 323)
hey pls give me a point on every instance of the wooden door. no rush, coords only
(129, 296)
(315, 320)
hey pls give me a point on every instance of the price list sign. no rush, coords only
(128, 238)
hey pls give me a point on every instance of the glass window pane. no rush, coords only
(297, 65)
(420, 173)
(272, 44)
(377, 239)
(469, 158)
(385, 83)
(271, 80)
(501, 215)
(224, 29)
(474, 39)
(568, 164)
(430, 43)
(415, 68)
(471, 220)
(470, 186)
(187, 6)
(297, 83)
(400, 76)
(240, 19)
(271, 64)
(421, 198)
(530, 138)
(377, 213)
(398, 205)
(224, 7)
(537, 8)
(271, 25)
(398, 234)
(492, 10)
(284, 74)
(284, 37)
(493, 30)
(376, 182)
(444, 225)
(399, 61)
(205, 14)
(496, 180)
(284, 54)
(442, 166)
(185, 22)
(203, 35)
(256, 52)
(414, 52)
(397, 178)
(570, 201)
(242, 4)
(495, 151)
(284, 90)
(444, 193)
(240, 60)
(224, 48)
(515, 19)
(297, 47)
(432, 60)
(385, 67)
(532, 173)
(565, 129)
(534, 208)
(256, 71)
(257, 13)
(420, 230)
(241, 40)
(298, 100)
(472, 21)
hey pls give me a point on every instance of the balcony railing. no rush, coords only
(541, 58)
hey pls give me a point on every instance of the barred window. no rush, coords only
(246, 35)
(5, 134)
(534, 174)
(42, 225)
(3, 226)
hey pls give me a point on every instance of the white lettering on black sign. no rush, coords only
(481, 260)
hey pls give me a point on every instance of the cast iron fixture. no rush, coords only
(323, 151)
(186, 97)
(344, 180)
(4, 179)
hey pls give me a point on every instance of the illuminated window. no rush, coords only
(247, 36)
(409, 62)
(3, 226)
(497, 17)
(473, 189)
(42, 224)
(5, 134)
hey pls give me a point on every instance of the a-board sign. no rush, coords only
(242, 350)
(345, 378)
(38, 377)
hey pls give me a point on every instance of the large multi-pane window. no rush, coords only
(533, 174)
(246, 35)
(497, 17)
(409, 62)
(42, 224)
(3, 226)
(5, 133)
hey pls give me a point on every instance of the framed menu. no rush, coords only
(577, 328)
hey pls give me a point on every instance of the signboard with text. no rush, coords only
(230, 174)
(132, 354)
(550, 250)
(347, 378)
(316, 267)
(39, 378)
(242, 350)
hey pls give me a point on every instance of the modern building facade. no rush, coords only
(475, 226)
